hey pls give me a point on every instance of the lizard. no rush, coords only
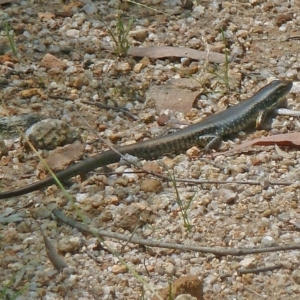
(207, 134)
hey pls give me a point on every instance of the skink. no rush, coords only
(207, 134)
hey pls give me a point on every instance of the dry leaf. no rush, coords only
(288, 139)
(282, 153)
(57, 262)
(62, 157)
(166, 51)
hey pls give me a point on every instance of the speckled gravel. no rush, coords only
(263, 40)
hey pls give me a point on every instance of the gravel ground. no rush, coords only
(263, 39)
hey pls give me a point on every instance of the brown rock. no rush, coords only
(258, 29)
(283, 18)
(151, 185)
(49, 61)
(3, 148)
(134, 216)
(80, 81)
(190, 285)
(32, 92)
(138, 67)
(118, 269)
(152, 167)
(139, 35)
(163, 120)
(193, 152)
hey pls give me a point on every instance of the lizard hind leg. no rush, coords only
(210, 142)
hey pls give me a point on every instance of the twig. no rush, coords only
(258, 270)
(116, 108)
(220, 251)
(100, 105)
(287, 112)
(251, 291)
(200, 181)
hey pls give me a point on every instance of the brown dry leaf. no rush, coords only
(175, 99)
(167, 51)
(62, 157)
(287, 139)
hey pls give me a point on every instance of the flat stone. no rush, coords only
(49, 61)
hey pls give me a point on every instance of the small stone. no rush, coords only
(40, 212)
(190, 285)
(229, 196)
(198, 11)
(137, 68)
(23, 227)
(247, 262)
(139, 35)
(163, 120)
(170, 269)
(119, 269)
(242, 33)
(152, 167)
(150, 268)
(193, 152)
(258, 29)
(69, 245)
(3, 148)
(49, 134)
(187, 4)
(151, 186)
(133, 216)
(291, 74)
(283, 18)
(185, 297)
(80, 81)
(268, 241)
(296, 276)
(89, 8)
(168, 162)
(73, 33)
(123, 66)
(49, 61)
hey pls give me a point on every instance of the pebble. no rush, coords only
(3, 148)
(123, 66)
(268, 241)
(151, 186)
(49, 134)
(69, 244)
(139, 35)
(49, 61)
(119, 269)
